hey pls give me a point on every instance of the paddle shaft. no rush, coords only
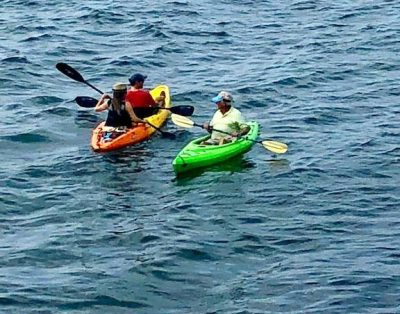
(90, 102)
(94, 87)
(72, 73)
(223, 132)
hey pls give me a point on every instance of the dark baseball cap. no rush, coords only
(137, 77)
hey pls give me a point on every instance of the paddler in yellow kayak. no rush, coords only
(140, 99)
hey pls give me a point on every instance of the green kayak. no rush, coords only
(194, 155)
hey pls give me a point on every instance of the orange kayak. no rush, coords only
(105, 138)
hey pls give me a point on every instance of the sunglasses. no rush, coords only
(224, 100)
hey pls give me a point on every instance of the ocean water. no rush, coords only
(316, 230)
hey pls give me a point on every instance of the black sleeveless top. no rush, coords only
(115, 120)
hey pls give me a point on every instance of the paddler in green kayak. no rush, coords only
(227, 119)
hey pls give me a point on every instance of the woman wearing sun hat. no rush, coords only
(227, 119)
(119, 114)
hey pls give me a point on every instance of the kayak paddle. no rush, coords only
(86, 101)
(76, 76)
(273, 146)
(90, 102)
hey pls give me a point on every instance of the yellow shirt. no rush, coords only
(222, 121)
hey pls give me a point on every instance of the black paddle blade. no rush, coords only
(142, 113)
(86, 102)
(182, 110)
(70, 72)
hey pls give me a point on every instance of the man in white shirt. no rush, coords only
(227, 119)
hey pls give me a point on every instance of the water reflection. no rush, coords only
(278, 165)
(233, 165)
(120, 171)
(131, 155)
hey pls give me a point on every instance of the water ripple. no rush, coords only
(313, 230)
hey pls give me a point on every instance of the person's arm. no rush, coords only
(132, 114)
(161, 99)
(244, 129)
(103, 103)
(150, 100)
(207, 126)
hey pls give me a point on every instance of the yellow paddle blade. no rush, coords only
(181, 121)
(276, 147)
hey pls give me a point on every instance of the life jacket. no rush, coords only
(142, 103)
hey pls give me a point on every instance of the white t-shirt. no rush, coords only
(222, 121)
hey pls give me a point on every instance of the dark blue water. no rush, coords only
(316, 230)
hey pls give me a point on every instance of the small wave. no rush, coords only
(248, 238)
(45, 100)
(27, 138)
(32, 3)
(194, 254)
(169, 49)
(32, 28)
(149, 238)
(348, 16)
(201, 33)
(42, 28)
(60, 111)
(293, 241)
(303, 5)
(13, 107)
(289, 81)
(16, 60)
(103, 15)
(177, 3)
(267, 25)
(57, 256)
(323, 119)
(36, 38)
(101, 300)
(153, 30)
(252, 220)
(310, 172)
(121, 63)
(21, 28)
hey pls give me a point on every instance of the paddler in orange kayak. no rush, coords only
(120, 113)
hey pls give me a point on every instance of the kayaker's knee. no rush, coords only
(210, 142)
